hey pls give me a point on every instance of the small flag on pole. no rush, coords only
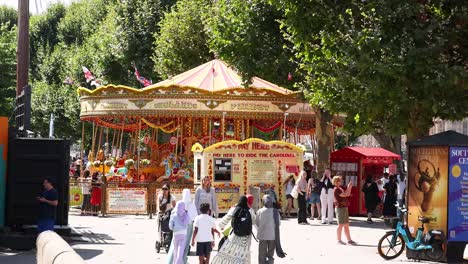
(88, 74)
(145, 82)
(290, 77)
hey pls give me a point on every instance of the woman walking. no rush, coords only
(301, 198)
(289, 186)
(236, 249)
(206, 194)
(371, 197)
(390, 197)
(314, 187)
(326, 197)
(341, 204)
(165, 199)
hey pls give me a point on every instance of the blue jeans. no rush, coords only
(45, 224)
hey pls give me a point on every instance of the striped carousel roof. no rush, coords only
(215, 76)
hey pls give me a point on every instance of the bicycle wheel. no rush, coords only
(439, 247)
(388, 249)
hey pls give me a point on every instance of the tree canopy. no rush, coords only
(391, 66)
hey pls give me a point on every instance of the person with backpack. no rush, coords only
(267, 223)
(236, 248)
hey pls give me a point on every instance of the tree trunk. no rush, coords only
(324, 136)
(390, 143)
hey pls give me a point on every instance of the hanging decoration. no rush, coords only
(162, 127)
(267, 129)
(267, 136)
(300, 131)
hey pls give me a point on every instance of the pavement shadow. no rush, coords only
(14, 257)
(378, 224)
(88, 254)
(85, 236)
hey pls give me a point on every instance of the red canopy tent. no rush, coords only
(354, 164)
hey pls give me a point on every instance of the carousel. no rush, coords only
(147, 135)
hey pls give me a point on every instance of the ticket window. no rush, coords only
(222, 170)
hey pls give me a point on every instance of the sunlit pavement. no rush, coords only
(130, 239)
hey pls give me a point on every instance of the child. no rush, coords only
(205, 227)
(178, 224)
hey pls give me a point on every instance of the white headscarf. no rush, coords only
(189, 205)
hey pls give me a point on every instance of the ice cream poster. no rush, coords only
(458, 194)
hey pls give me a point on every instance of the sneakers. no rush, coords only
(351, 242)
(369, 221)
(341, 243)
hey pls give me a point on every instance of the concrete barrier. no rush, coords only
(52, 249)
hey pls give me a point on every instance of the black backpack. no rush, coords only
(242, 222)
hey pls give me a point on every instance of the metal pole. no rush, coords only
(22, 52)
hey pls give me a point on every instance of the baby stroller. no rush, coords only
(165, 234)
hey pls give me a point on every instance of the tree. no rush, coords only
(138, 22)
(7, 68)
(182, 42)
(390, 66)
(249, 38)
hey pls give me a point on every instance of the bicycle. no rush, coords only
(432, 244)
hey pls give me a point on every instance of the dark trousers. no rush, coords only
(302, 215)
(266, 250)
(45, 224)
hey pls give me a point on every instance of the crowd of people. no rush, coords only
(193, 223)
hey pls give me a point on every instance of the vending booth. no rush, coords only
(438, 189)
(236, 167)
(354, 164)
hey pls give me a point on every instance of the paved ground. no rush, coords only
(130, 239)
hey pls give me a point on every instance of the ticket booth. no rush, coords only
(237, 168)
(354, 164)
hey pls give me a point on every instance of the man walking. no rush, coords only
(47, 207)
(266, 231)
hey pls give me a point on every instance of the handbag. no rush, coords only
(294, 192)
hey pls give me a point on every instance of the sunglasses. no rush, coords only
(165, 189)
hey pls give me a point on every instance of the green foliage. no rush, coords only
(138, 25)
(392, 66)
(248, 36)
(8, 16)
(7, 67)
(182, 41)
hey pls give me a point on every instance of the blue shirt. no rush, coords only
(47, 211)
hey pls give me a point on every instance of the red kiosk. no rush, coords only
(354, 164)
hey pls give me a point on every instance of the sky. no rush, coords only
(35, 6)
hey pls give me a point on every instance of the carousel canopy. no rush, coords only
(215, 76)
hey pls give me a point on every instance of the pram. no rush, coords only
(165, 234)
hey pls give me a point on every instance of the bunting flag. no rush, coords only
(88, 74)
(142, 79)
(69, 81)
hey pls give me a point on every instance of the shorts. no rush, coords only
(342, 215)
(288, 196)
(314, 198)
(204, 248)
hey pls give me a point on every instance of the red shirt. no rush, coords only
(340, 202)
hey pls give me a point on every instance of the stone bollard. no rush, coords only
(52, 249)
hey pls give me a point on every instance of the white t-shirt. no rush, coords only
(289, 187)
(401, 186)
(85, 186)
(205, 224)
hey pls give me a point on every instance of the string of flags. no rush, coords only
(97, 82)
